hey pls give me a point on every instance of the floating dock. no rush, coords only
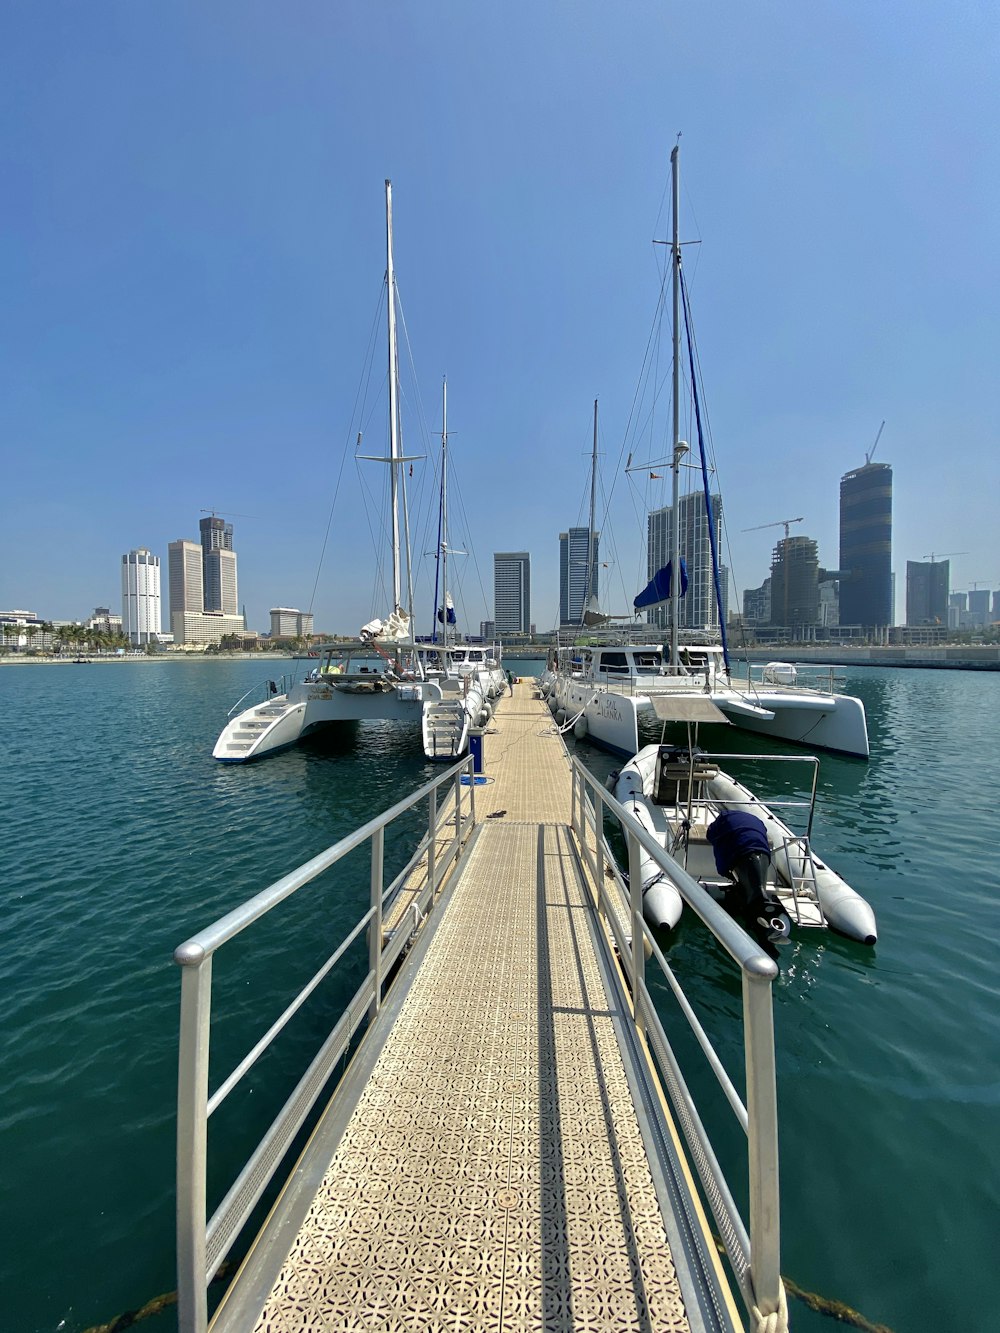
(501, 1152)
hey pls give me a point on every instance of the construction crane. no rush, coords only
(871, 452)
(942, 555)
(781, 523)
(222, 513)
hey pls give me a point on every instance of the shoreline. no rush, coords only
(16, 659)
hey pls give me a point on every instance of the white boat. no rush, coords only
(602, 690)
(605, 690)
(380, 677)
(678, 792)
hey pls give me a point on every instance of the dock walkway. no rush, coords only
(492, 1163)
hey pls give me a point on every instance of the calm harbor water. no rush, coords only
(122, 836)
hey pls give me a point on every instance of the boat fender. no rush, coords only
(552, 703)
(611, 779)
(560, 715)
(580, 728)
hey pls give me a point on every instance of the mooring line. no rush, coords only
(832, 1309)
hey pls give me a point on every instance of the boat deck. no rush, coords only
(492, 1164)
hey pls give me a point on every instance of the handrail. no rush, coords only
(263, 686)
(202, 1242)
(753, 1251)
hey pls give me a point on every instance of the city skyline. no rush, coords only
(192, 264)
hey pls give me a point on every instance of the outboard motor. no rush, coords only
(739, 841)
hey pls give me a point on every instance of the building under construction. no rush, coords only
(795, 583)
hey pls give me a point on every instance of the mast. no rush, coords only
(675, 258)
(390, 278)
(590, 530)
(444, 508)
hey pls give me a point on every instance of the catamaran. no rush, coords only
(383, 675)
(601, 691)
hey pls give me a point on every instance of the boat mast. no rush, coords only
(590, 530)
(444, 509)
(675, 260)
(390, 278)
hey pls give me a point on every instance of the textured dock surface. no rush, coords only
(493, 1174)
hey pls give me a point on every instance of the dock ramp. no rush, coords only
(508, 1149)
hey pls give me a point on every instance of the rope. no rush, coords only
(824, 1305)
(156, 1306)
(777, 1321)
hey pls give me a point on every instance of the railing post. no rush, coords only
(762, 1134)
(472, 790)
(575, 781)
(458, 815)
(432, 822)
(375, 929)
(635, 905)
(192, 1140)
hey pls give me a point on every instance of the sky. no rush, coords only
(192, 248)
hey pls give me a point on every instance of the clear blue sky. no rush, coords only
(193, 245)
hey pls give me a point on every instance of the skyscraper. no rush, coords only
(141, 596)
(575, 589)
(219, 566)
(927, 592)
(698, 609)
(866, 546)
(512, 592)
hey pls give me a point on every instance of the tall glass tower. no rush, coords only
(512, 592)
(698, 609)
(573, 582)
(219, 563)
(866, 546)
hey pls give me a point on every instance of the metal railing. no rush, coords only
(202, 1242)
(753, 1253)
(263, 687)
(781, 802)
(805, 676)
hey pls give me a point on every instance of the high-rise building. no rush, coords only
(512, 592)
(289, 623)
(187, 586)
(698, 608)
(927, 592)
(219, 566)
(576, 590)
(866, 546)
(220, 582)
(795, 583)
(141, 596)
(979, 605)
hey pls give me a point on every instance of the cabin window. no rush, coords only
(614, 662)
(648, 661)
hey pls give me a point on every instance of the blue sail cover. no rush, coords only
(658, 588)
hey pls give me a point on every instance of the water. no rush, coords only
(123, 836)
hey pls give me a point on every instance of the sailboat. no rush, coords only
(602, 690)
(380, 676)
(466, 687)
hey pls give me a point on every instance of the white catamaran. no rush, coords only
(602, 690)
(381, 676)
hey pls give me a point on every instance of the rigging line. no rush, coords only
(361, 395)
(643, 372)
(377, 546)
